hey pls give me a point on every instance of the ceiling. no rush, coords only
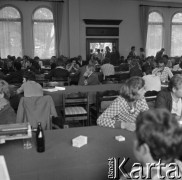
(172, 1)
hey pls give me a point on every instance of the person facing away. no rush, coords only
(158, 142)
(163, 72)
(132, 53)
(115, 57)
(170, 98)
(59, 71)
(159, 55)
(107, 69)
(123, 111)
(7, 114)
(17, 76)
(30, 87)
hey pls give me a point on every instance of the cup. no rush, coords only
(27, 143)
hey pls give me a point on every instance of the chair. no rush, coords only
(36, 109)
(151, 101)
(76, 107)
(65, 80)
(103, 100)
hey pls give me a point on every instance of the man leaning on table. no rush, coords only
(170, 98)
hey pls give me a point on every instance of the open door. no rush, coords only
(95, 43)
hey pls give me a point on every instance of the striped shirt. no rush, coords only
(107, 69)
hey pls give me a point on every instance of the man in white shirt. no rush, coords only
(107, 68)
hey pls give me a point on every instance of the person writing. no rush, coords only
(123, 111)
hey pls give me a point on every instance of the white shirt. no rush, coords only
(152, 82)
(176, 107)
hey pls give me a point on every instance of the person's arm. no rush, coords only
(21, 89)
(170, 74)
(143, 105)
(108, 117)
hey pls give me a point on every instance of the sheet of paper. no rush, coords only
(50, 90)
(4, 175)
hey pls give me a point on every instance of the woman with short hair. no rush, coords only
(123, 111)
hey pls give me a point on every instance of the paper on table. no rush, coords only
(50, 90)
(60, 88)
(4, 175)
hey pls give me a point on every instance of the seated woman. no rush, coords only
(29, 86)
(7, 114)
(123, 111)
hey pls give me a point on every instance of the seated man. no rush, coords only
(158, 144)
(170, 98)
(90, 77)
(163, 72)
(59, 71)
(17, 76)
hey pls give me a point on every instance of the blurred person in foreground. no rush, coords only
(7, 114)
(158, 145)
(123, 111)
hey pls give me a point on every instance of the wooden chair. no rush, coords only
(76, 108)
(103, 100)
(65, 81)
(151, 101)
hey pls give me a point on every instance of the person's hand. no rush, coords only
(128, 125)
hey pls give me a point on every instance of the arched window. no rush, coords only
(44, 33)
(176, 35)
(10, 32)
(154, 34)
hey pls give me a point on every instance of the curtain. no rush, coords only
(144, 12)
(58, 19)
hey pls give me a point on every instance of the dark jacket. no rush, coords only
(164, 100)
(57, 73)
(7, 115)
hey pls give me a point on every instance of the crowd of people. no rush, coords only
(130, 111)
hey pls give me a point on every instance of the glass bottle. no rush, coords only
(40, 139)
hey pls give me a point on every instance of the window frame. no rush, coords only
(156, 23)
(43, 21)
(171, 25)
(16, 20)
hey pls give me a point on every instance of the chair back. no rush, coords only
(65, 80)
(76, 107)
(104, 99)
(36, 109)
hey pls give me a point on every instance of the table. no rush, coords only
(61, 161)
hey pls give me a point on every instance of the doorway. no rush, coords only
(92, 44)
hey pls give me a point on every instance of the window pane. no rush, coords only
(10, 33)
(155, 17)
(177, 18)
(176, 40)
(43, 14)
(154, 39)
(44, 40)
(9, 13)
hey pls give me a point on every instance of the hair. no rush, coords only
(159, 129)
(29, 75)
(91, 67)
(60, 62)
(129, 89)
(17, 65)
(175, 82)
(4, 88)
(132, 47)
(161, 60)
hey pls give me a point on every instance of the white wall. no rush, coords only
(127, 11)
